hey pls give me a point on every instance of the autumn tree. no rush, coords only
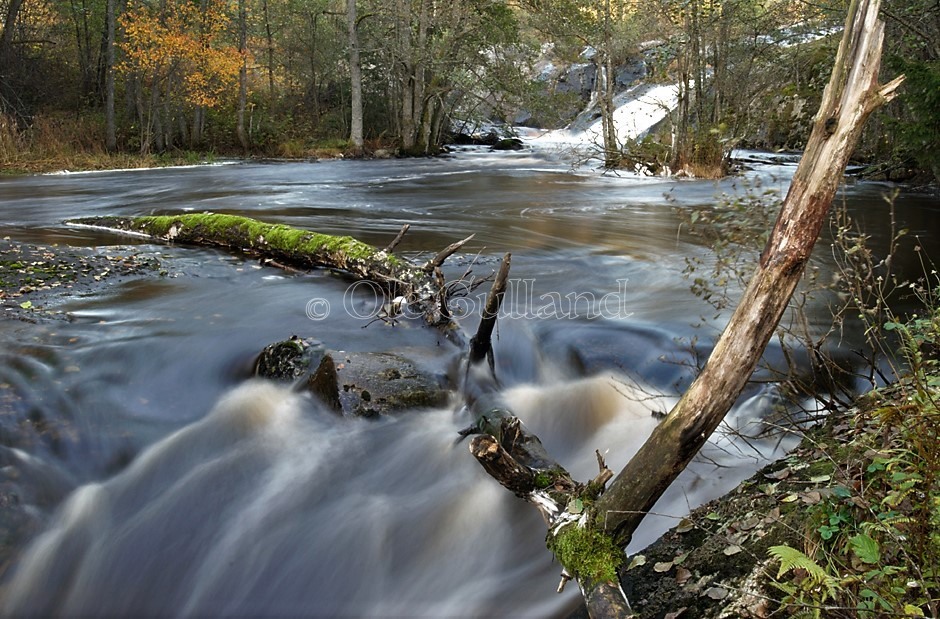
(180, 57)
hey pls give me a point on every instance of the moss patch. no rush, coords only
(587, 553)
(242, 231)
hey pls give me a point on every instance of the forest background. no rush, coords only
(109, 83)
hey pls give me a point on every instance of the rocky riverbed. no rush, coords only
(35, 279)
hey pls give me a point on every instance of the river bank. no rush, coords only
(847, 525)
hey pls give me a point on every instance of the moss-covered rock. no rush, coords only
(360, 384)
(288, 360)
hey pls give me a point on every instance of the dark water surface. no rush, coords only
(268, 506)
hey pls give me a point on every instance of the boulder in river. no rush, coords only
(357, 383)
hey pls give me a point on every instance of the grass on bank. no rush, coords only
(54, 143)
(57, 142)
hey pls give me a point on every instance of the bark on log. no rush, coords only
(297, 248)
(481, 344)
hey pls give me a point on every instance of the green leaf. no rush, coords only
(575, 506)
(865, 548)
(26, 304)
(842, 492)
(891, 326)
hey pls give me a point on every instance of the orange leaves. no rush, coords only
(182, 49)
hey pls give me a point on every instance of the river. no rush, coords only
(268, 506)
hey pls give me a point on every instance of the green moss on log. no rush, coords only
(293, 247)
(285, 244)
(255, 233)
(587, 553)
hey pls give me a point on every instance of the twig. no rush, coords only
(397, 239)
(447, 252)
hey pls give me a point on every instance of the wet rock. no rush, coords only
(372, 384)
(489, 138)
(288, 360)
(508, 144)
(323, 383)
(630, 73)
(578, 79)
(355, 383)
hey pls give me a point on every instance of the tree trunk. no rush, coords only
(269, 39)
(605, 94)
(109, 121)
(852, 95)
(6, 37)
(406, 69)
(355, 78)
(242, 76)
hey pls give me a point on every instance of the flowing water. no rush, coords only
(155, 481)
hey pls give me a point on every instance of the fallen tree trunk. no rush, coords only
(852, 95)
(289, 247)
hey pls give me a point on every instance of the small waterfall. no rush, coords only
(637, 111)
(272, 506)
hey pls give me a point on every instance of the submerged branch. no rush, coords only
(516, 458)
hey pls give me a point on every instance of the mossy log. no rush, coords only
(287, 246)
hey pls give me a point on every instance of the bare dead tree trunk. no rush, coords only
(852, 95)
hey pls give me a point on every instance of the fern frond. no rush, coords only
(790, 559)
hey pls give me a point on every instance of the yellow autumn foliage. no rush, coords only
(182, 50)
